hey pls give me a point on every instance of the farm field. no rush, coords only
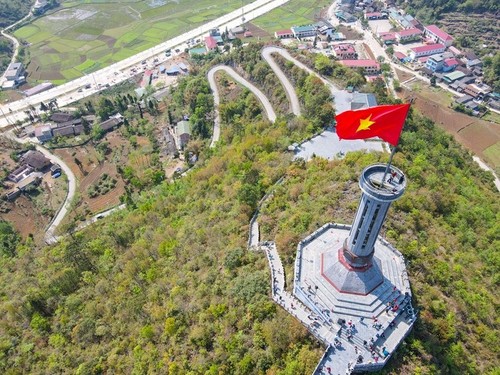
(83, 37)
(293, 13)
(479, 136)
(84, 162)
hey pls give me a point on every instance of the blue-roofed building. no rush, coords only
(303, 31)
(183, 66)
(162, 69)
(218, 40)
(173, 71)
(197, 51)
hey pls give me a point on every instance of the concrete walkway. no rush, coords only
(323, 330)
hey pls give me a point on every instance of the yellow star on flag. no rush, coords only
(364, 124)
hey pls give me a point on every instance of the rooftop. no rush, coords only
(438, 32)
(360, 63)
(303, 29)
(429, 47)
(454, 75)
(183, 127)
(284, 32)
(408, 32)
(210, 42)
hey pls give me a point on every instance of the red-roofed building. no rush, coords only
(427, 50)
(438, 35)
(455, 51)
(283, 34)
(450, 64)
(210, 44)
(408, 35)
(387, 38)
(399, 56)
(345, 51)
(370, 66)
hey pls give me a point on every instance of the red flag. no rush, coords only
(384, 121)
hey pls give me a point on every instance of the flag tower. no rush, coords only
(353, 268)
(347, 274)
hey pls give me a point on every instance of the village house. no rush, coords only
(437, 35)
(14, 75)
(387, 38)
(183, 133)
(210, 44)
(43, 133)
(345, 51)
(305, 31)
(369, 66)
(375, 16)
(435, 63)
(35, 159)
(427, 50)
(112, 123)
(408, 35)
(20, 173)
(283, 34)
(452, 77)
(61, 117)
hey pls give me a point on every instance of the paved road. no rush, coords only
(268, 108)
(119, 72)
(287, 85)
(14, 40)
(486, 168)
(65, 207)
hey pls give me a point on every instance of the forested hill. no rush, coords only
(13, 10)
(168, 286)
(430, 10)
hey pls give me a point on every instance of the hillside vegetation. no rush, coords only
(429, 11)
(168, 286)
(13, 10)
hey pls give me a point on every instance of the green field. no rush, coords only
(294, 13)
(90, 34)
(493, 154)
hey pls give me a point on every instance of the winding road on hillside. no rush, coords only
(268, 108)
(14, 41)
(267, 53)
(287, 85)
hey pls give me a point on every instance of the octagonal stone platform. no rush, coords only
(318, 272)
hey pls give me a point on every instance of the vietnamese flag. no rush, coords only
(384, 121)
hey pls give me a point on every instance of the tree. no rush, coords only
(105, 108)
(9, 239)
(433, 81)
(323, 64)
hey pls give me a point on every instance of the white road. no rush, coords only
(14, 41)
(120, 71)
(268, 108)
(65, 207)
(287, 85)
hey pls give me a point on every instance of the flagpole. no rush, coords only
(389, 164)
